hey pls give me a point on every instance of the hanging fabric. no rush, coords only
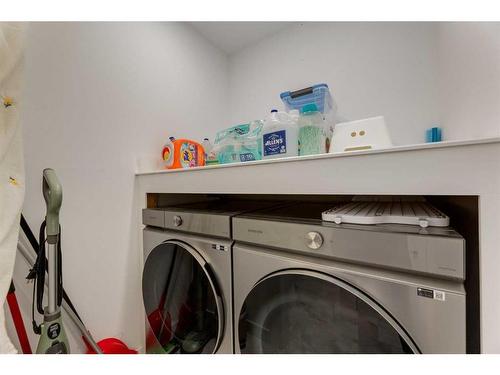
(11, 160)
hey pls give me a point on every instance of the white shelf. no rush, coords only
(420, 146)
(453, 167)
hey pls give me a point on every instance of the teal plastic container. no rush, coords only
(240, 143)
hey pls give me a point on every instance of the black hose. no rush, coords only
(37, 274)
(35, 245)
(40, 268)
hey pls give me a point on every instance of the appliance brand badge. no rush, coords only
(430, 293)
(257, 231)
(220, 247)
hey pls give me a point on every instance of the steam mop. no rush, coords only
(53, 339)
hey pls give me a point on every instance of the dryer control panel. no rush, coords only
(434, 251)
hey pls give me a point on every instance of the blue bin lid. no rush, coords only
(306, 90)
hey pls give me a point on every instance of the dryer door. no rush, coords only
(184, 312)
(302, 311)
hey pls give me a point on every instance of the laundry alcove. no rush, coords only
(119, 90)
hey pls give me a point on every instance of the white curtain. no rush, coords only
(11, 160)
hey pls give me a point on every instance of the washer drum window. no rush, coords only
(183, 308)
(300, 311)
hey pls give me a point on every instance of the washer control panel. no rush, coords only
(198, 222)
(314, 240)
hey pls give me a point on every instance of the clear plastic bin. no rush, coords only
(318, 94)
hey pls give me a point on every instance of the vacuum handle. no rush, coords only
(52, 192)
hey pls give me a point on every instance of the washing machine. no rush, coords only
(187, 278)
(306, 286)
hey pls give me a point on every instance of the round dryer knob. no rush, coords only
(177, 221)
(314, 240)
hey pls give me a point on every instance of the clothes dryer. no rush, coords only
(306, 286)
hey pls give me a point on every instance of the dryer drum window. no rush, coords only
(182, 307)
(307, 312)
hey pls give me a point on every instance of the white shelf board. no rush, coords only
(430, 168)
(420, 146)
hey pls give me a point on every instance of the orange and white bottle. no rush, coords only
(182, 153)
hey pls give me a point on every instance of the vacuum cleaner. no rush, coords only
(48, 261)
(53, 338)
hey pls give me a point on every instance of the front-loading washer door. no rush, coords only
(184, 312)
(301, 311)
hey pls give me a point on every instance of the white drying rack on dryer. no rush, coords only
(389, 210)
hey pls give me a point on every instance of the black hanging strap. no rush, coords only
(34, 244)
(37, 274)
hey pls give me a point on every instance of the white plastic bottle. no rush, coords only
(207, 147)
(279, 136)
(294, 115)
(210, 154)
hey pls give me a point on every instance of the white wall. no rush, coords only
(469, 71)
(372, 69)
(417, 75)
(98, 95)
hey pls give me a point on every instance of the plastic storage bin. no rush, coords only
(317, 94)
